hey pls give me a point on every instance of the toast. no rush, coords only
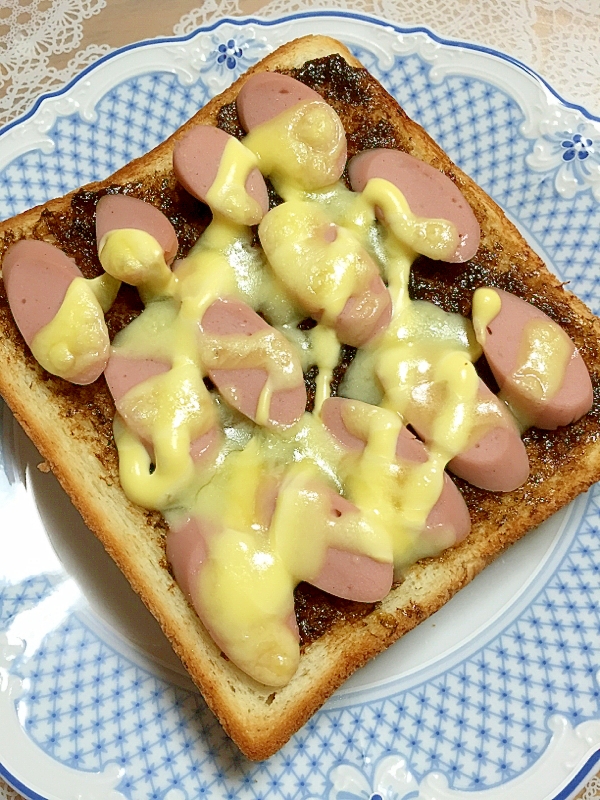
(72, 426)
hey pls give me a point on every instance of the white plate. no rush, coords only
(497, 694)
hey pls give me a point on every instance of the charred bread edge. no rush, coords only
(259, 720)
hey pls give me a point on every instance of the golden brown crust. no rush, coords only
(72, 426)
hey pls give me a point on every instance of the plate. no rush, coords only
(497, 694)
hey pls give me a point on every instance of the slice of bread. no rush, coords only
(72, 425)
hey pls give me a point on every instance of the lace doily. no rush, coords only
(33, 32)
(43, 43)
(592, 790)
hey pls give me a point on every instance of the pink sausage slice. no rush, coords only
(187, 550)
(122, 373)
(498, 462)
(501, 343)
(196, 160)
(450, 509)
(241, 387)
(36, 276)
(428, 192)
(346, 574)
(267, 94)
(118, 211)
(352, 576)
(366, 313)
(365, 316)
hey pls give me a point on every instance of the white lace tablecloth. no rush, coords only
(45, 43)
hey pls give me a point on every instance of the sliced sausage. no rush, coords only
(497, 460)
(267, 94)
(313, 149)
(123, 373)
(428, 192)
(196, 160)
(241, 386)
(264, 644)
(344, 573)
(186, 551)
(354, 576)
(311, 264)
(366, 315)
(449, 511)
(540, 372)
(37, 276)
(121, 211)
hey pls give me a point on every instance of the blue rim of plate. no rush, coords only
(584, 770)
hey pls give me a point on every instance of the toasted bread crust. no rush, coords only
(72, 426)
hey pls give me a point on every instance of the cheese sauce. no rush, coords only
(267, 490)
(323, 244)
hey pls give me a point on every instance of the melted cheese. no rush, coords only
(268, 493)
(76, 338)
(301, 148)
(135, 257)
(542, 360)
(228, 195)
(486, 307)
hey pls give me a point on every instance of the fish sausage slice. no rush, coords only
(428, 192)
(265, 95)
(365, 316)
(196, 160)
(242, 387)
(502, 341)
(344, 573)
(187, 550)
(352, 576)
(36, 276)
(450, 509)
(120, 211)
(498, 462)
(123, 373)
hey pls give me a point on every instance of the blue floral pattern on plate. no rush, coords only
(474, 725)
(229, 54)
(572, 156)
